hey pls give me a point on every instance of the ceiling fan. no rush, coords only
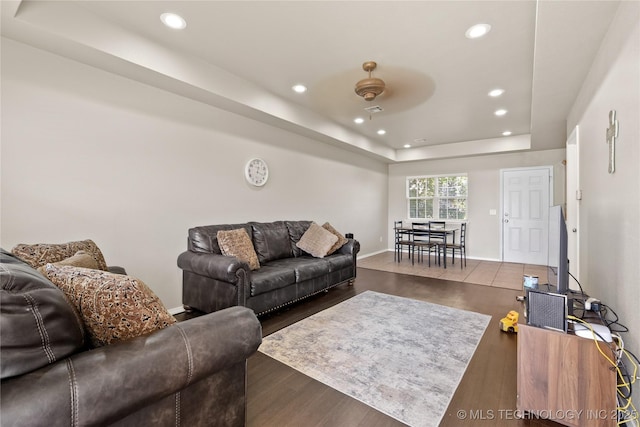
(370, 87)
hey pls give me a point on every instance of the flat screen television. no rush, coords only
(558, 261)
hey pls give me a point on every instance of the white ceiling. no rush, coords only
(244, 56)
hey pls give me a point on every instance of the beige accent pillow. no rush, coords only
(317, 241)
(39, 254)
(237, 243)
(114, 307)
(341, 239)
(80, 259)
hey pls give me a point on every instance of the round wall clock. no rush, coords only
(256, 172)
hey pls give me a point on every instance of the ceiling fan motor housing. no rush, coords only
(370, 87)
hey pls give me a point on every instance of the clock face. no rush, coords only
(256, 172)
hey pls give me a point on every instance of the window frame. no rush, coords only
(437, 197)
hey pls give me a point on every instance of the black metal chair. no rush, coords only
(436, 228)
(461, 246)
(423, 241)
(403, 237)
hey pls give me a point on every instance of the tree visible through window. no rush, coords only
(437, 197)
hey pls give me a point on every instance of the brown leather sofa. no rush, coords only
(190, 373)
(212, 281)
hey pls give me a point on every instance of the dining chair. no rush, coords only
(437, 224)
(422, 241)
(461, 246)
(436, 237)
(403, 237)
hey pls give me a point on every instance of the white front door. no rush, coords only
(573, 204)
(525, 215)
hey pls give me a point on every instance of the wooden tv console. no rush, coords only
(564, 378)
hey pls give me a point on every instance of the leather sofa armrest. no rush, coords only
(101, 386)
(352, 247)
(219, 267)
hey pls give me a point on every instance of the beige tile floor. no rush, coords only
(489, 273)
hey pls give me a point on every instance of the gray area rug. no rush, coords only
(400, 356)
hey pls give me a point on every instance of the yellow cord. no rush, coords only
(615, 365)
(629, 401)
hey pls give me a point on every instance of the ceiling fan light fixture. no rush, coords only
(370, 87)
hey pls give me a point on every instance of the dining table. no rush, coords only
(441, 232)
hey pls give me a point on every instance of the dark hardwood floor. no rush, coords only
(281, 396)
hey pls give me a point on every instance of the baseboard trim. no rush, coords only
(176, 310)
(406, 252)
(372, 254)
(485, 259)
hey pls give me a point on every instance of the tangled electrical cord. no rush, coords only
(622, 359)
(625, 379)
(627, 412)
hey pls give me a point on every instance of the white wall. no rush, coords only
(483, 239)
(88, 154)
(610, 206)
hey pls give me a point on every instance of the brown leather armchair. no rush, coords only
(190, 373)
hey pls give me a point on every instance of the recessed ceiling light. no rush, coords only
(174, 21)
(506, 133)
(500, 112)
(478, 30)
(496, 92)
(407, 145)
(299, 88)
(381, 132)
(358, 120)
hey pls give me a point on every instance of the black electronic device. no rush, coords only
(547, 310)
(558, 259)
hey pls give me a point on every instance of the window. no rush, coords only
(437, 197)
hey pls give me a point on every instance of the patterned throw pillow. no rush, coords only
(237, 243)
(341, 239)
(113, 307)
(40, 254)
(317, 241)
(80, 259)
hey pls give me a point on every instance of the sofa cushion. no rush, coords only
(271, 241)
(80, 259)
(317, 241)
(339, 261)
(271, 277)
(306, 267)
(39, 326)
(238, 244)
(40, 254)
(114, 307)
(296, 230)
(204, 238)
(341, 239)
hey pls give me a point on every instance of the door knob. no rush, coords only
(575, 230)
